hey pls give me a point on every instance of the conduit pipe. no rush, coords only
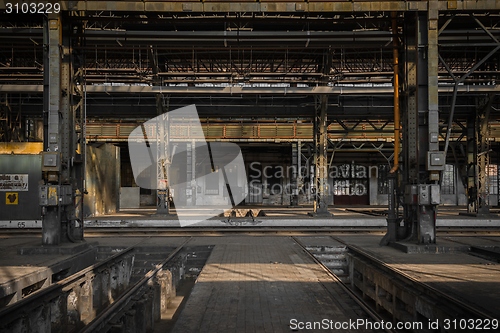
(397, 126)
(392, 217)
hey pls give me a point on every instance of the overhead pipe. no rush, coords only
(395, 59)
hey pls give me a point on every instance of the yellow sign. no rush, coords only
(11, 198)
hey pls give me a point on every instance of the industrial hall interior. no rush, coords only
(249, 166)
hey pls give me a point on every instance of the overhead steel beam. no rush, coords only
(235, 91)
(268, 7)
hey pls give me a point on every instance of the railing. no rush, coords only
(244, 131)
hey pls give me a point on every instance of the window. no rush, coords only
(493, 171)
(272, 173)
(448, 184)
(145, 191)
(341, 187)
(383, 184)
(212, 181)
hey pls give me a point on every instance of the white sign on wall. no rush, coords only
(13, 182)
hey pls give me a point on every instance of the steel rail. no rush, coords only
(433, 293)
(348, 291)
(99, 323)
(248, 230)
(484, 252)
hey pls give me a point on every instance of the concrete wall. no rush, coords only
(102, 180)
(130, 197)
(148, 199)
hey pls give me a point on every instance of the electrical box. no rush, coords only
(66, 196)
(51, 161)
(54, 195)
(429, 194)
(47, 195)
(411, 194)
(423, 195)
(435, 161)
(435, 194)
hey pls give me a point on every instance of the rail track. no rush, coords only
(104, 297)
(140, 305)
(355, 297)
(97, 298)
(247, 230)
(390, 295)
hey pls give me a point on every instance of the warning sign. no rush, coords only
(11, 198)
(13, 182)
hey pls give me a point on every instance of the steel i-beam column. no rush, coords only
(410, 129)
(294, 181)
(321, 160)
(190, 174)
(483, 156)
(51, 218)
(472, 197)
(59, 159)
(433, 160)
(478, 159)
(163, 159)
(423, 160)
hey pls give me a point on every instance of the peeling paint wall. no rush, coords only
(102, 180)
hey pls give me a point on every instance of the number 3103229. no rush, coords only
(32, 8)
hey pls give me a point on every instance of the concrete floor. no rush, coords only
(260, 283)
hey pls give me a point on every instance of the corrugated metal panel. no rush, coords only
(214, 131)
(284, 130)
(93, 129)
(248, 131)
(125, 130)
(196, 132)
(267, 131)
(233, 131)
(108, 130)
(179, 132)
(304, 130)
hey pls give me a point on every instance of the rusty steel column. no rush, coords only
(51, 214)
(163, 160)
(61, 194)
(478, 152)
(423, 161)
(321, 160)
